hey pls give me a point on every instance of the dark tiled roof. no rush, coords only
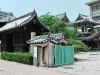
(6, 13)
(92, 36)
(63, 17)
(21, 21)
(53, 38)
(82, 17)
(7, 18)
(85, 20)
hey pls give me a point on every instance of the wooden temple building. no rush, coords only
(89, 35)
(16, 32)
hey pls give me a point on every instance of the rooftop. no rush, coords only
(92, 2)
(85, 20)
(22, 21)
(53, 38)
(7, 18)
(6, 13)
(63, 17)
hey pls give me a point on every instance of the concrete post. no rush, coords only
(50, 55)
(33, 34)
(35, 56)
(41, 59)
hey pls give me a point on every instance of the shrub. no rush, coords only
(78, 45)
(26, 58)
(75, 59)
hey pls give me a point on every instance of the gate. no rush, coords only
(64, 55)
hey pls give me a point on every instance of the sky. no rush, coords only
(55, 7)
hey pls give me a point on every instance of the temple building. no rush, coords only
(16, 32)
(89, 35)
(63, 17)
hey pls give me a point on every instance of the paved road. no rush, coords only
(87, 65)
(13, 68)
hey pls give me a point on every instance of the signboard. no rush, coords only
(35, 51)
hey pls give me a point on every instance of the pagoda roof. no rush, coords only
(91, 37)
(85, 20)
(7, 18)
(82, 17)
(53, 38)
(92, 2)
(63, 17)
(6, 13)
(22, 21)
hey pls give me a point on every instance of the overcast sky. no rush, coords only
(22, 7)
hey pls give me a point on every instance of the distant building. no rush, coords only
(4, 14)
(5, 17)
(94, 9)
(63, 17)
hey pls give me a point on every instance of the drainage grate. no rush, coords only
(68, 68)
(1, 70)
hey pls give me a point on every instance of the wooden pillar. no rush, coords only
(85, 28)
(92, 29)
(82, 29)
(98, 44)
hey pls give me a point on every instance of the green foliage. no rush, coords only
(78, 45)
(26, 58)
(57, 26)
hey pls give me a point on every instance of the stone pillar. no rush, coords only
(32, 36)
(35, 55)
(41, 57)
(50, 55)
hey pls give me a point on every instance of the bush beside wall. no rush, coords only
(26, 58)
(78, 45)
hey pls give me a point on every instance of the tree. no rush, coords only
(57, 26)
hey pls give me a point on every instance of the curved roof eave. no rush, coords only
(18, 22)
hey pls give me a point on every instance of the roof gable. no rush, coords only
(63, 17)
(82, 17)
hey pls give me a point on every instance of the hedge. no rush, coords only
(26, 58)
